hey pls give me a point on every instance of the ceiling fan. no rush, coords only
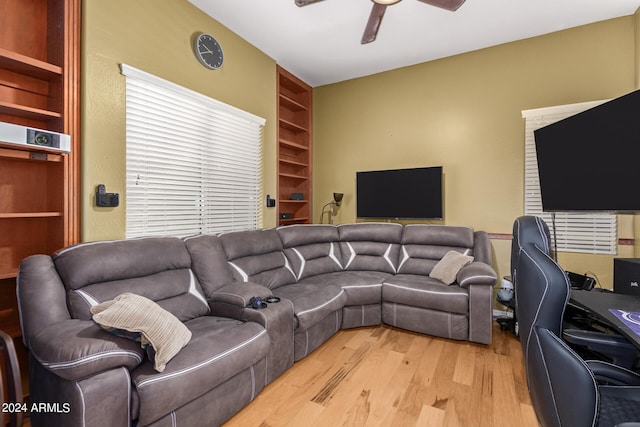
(380, 6)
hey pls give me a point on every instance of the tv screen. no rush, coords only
(400, 193)
(589, 161)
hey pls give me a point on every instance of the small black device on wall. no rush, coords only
(270, 202)
(106, 200)
(626, 276)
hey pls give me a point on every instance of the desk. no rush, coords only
(598, 304)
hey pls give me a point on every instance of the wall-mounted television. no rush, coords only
(590, 161)
(400, 193)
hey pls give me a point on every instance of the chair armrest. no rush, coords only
(239, 293)
(476, 273)
(74, 349)
(613, 374)
(615, 347)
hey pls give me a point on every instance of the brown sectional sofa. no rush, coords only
(327, 277)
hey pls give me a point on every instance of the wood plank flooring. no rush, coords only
(383, 376)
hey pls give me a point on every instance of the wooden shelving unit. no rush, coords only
(39, 88)
(294, 148)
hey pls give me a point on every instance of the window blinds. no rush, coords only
(575, 232)
(194, 164)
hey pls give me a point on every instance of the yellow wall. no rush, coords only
(461, 112)
(464, 113)
(156, 36)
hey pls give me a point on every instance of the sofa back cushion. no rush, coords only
(370, 246)
(257, 256)
(209, 262)
(424, 245)
(158, 268)
(311, 249)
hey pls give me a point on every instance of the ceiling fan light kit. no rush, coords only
(380, 6)
(385, 2)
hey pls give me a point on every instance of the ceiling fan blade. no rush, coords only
(301, 3)
(451, 5)
(375, 18)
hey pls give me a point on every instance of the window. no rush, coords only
(194, 164)
(575, 232)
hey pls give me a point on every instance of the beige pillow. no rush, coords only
(447, 268)
(145, 321)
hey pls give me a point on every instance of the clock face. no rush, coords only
(208, 51)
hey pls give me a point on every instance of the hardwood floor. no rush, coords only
(382, 376)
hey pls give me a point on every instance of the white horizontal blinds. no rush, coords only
(575, 232)
(194, 165)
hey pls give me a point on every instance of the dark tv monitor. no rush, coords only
(400, 193)
(590, 161)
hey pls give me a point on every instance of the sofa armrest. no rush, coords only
(239, 293)
(74, 349)
(476, 273)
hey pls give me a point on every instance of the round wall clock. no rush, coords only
(208, 51)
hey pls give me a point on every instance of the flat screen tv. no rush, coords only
(400, 193)
(589, 161)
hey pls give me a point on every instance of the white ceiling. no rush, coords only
(320, 43)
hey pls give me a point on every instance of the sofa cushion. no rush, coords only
(311, 249)
(361, 287)
(209, 262)
(146, 322)
(158, 268)
(256, 256)
(423, 246)
(219, 349)
(312, 302)
(425, 292)
(448, 267)
(370, 246)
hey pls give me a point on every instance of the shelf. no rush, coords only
(26, 65)
(291, 103)
(294, 220)
(294, 162)
(294, 122)
(290, 175)
(25, 152)
(23, 215)
(9, 274)
(27, 112)
(294, 145)
(292, 126)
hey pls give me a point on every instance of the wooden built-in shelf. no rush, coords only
(296, 220)
(9, 274)
(292, 176)
(19, 152)
(30, 215)
(292, 104)
(27, 112)
(293, 126)
(39, 187)
(294, 147)
(292, 162)
(25, 65)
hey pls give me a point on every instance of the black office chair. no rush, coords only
(614, 348)
(11, 371)
(563, 389)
